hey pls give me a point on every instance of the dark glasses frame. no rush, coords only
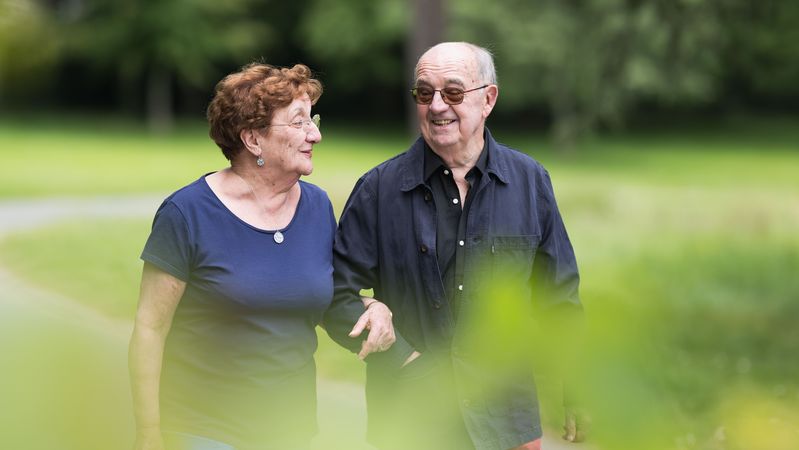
(450, 95)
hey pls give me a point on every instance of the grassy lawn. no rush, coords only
(686, 241)
(108, 157)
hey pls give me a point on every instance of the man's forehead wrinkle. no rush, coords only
(453, 73)
(447, 81)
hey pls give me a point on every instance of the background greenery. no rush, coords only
(686, 240)
(572, 67)
(669, 128)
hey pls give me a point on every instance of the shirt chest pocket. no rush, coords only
(512, 257)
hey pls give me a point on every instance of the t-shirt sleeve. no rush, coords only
(168, 246)
(332, 218)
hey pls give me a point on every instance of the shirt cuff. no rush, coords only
(394, 357)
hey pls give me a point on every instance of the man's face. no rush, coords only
(453, 128)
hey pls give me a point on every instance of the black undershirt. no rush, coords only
(451, 220)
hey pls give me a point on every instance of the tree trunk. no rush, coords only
(160, 117)
(565, 115)
(128, 93)
(428, 22)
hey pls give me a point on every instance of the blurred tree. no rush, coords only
(590, 60)
(24, 25)
(373, 44)
(164, 41)
(428, 27)
(353, 37)
(360, 43)
(762, 58)
(585, 64)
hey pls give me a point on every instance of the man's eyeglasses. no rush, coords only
(423, 95)
(300, 124)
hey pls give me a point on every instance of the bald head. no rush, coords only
(457, 79)
(480, 60)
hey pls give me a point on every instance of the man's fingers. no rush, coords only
(366, 348)
(377, 340)
(381, 332)
(360, 325)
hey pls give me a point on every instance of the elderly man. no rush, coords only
(461, 237)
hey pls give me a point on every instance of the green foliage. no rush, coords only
(354, 38)
(590, 61)
(181, 36)
(691, 336)
(25, 25)
(63, 376)
(763, 54)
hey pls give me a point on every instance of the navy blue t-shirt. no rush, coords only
(238, 363)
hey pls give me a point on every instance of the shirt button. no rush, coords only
(423, 248)
(460, 287)
(455, 201)
(461, 243)
(437, 305)
(427, 196)
(446, 172)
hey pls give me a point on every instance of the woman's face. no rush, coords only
(287, 148)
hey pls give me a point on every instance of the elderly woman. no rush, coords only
(237, 273)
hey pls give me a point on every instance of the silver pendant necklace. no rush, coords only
(278, 236)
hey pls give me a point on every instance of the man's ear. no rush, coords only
(491, 94)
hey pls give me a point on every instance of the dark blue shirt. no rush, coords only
(238, 364)
(517, 262)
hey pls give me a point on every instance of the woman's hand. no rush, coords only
(158, 299)
(377, 319)
(410, 359)
(149, 439)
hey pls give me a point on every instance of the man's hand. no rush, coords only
(577, 425)
(376, 319)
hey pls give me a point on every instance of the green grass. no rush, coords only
(94, 262)
(686, 241)
(106, 157)
(45, 157)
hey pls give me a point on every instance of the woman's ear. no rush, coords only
(249, 138)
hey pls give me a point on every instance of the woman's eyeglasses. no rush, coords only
(423, 95)
(300, 124)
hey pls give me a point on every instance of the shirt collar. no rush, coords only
(412, 163)
(433, 162)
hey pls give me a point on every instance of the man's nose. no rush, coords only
(438, 104)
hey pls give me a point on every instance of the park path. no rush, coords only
(66, 364)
